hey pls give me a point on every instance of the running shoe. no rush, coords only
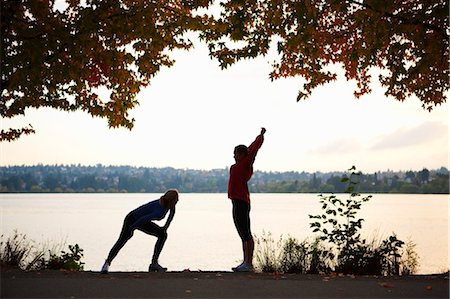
(156, 268)
(240, 265)
(244, 268)
(105, 268)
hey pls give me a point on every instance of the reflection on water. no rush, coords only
(202, 234)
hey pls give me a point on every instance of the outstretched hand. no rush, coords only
(263, 131)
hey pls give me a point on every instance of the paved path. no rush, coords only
(62, 284)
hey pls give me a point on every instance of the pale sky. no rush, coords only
(193, 114)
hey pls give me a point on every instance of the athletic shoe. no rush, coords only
(156, 268)
(244, 268)
(240, 265)
(105, 268)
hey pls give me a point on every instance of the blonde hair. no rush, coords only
(170, 198)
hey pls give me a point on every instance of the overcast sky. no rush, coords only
(193, 114)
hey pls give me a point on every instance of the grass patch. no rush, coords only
(289, 255)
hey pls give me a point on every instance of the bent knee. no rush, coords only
(163, 234)
(129, 233)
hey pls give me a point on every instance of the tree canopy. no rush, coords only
(407, 39)
(62, 59)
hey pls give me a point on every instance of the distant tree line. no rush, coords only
(99, 178)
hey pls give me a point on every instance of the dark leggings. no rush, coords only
(241, 218)
(127, 232)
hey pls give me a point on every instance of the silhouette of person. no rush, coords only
(240, 174)
(141, 219)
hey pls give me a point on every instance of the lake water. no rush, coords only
(202, 235)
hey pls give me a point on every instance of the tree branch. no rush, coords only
(404, 20)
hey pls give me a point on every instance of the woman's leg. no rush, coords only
(249, 246)
(154, 230)
(124, 236)
(241, 218)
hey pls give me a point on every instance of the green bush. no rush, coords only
(19, 252)
(67, 260)
(294, 256)
(16, 251)
(321, 258)
(339, 246)
(339, 226)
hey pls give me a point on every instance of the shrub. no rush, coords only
(267, 253)
(19, 252)
(15, 251)
(339, 246)
(291, 256)
(294, 256)
(410, 261)
(339, 226)
(67, 260)
(321, 258)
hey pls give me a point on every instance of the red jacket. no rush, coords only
(242, 171)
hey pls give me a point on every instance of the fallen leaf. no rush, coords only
(276, 275)
(386, 285)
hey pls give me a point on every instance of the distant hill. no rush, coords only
(99, 178)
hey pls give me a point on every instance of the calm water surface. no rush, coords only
(202, 234)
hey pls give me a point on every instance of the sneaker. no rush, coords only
(105, 268)
(156, 268)
(240, 265)
(244, 267)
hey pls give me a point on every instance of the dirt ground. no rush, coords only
(64, 284)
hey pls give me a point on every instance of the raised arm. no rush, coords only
(256, 145)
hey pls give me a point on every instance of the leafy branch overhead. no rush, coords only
(407, 39)
(61, 59)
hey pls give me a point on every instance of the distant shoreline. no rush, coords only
(127, 179)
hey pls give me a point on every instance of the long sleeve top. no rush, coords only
(151, 211)
(242, 171)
